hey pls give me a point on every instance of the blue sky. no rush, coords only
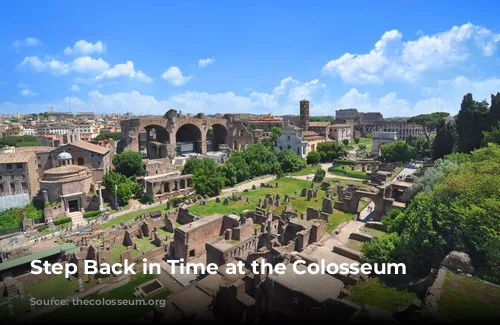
(395, 57)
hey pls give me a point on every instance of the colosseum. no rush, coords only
(177, 135)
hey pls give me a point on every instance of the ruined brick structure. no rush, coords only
(175, 134)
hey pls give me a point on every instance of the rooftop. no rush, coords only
(319, 124)
(17, 157)
(200, 222)
(89, 146)
(69, 247)
(65, 169)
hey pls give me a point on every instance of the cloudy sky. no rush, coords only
(395, 57)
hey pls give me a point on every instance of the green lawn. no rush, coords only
(347, 172)
(373, 232)
(56, 286)
(367, 142)
(468, 299)
(285, 186)
(130, 216)
(354, 244)
(310, 169)
(375, 293)
(109, 313)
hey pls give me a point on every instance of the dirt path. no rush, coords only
(245, 186)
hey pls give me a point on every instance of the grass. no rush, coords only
(56, 286)
(375, 293)
(336, 218)
(347, 172)
(354, 244)
(373, 232)
(310, 169)
(130, 216)
(367, 142)
(109, 313)
(465, 298)
(285, 186)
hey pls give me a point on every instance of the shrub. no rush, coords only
(90, 214)
(319, 175)
(356, 140)
(42, 228)
(62, 220)
(313, 158)
(345, 142)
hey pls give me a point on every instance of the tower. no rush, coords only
(304, 114)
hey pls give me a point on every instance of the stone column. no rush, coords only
(99, 187)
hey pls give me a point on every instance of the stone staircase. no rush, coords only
(77, 219)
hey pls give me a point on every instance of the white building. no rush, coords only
(339, 132)
(291, 139)
(56, 129)
(29, 131)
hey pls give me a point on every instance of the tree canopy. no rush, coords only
(459, 212)
(331, 150)
(129, 163)
(429, 123)
(289, 161)
(112, 135)
(397, 151)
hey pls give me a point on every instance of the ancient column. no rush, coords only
(99, 187)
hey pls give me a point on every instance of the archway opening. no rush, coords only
(365, 209)
(154, 141)
(216, 137)
(188, 140)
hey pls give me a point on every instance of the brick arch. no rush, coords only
(383, 204)
(220, 135)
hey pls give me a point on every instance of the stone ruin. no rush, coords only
(327, 206)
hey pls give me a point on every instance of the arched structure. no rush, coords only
(188, 139)
(381, 138)
(383, 204)
(188, 131)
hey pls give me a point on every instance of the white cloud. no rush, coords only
(32, 62)
(22, 85)
(280, 100)
(27, 93)
(83, 47)
(28, 42)
(205, 62)
(73, 101)
(86, 64)
(124, 70)
(391, 58)
(174, 76)
(74, 87)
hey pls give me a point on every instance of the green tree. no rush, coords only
(261, 160)
(319, 175)
(192, 165)
(397, 151)
(237, 160)
(429, 123)
(459, 212)
(470, 122)
(289, 161)
(368, 136)
(45, 115)
(362, 147)
(444, 141)
(104, 136)
(494, 113)
(276, 134)
(208, 178)
(313, 158)
(492, 136)
(356, 140)
(129, 163)
(331, 150)
(124, 193)
(345, 142)
(419, 145)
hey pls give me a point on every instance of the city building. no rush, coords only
(18, 179)
(92, 156)
(339, 132)
(304, 114)
(265, 122)
(292, 139)
(347, 116)
(403, 129)
(65, 188)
